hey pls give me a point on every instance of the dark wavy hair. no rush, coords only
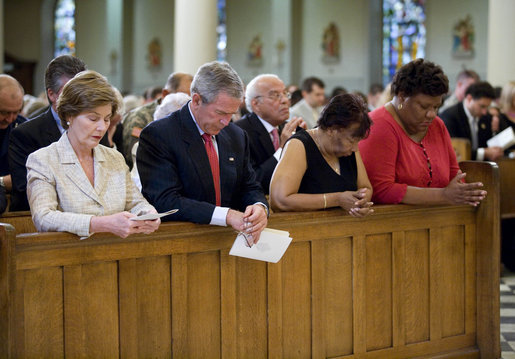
(420, 77)
(345, 110)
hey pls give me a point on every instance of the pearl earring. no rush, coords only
(400, 106)
(68, 123)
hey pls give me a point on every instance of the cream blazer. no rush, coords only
(61, 197)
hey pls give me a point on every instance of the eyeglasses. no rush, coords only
(428, 166)
(276, 96)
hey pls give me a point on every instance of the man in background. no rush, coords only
(138, 118)
(269, 102)
(41, 131)
(469, 119)
(464, 80)
(11, 104)
(313, 97)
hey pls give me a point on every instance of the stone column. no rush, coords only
(501, 42)
(194, 34)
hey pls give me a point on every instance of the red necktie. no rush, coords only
(275, 137)
(215, 167)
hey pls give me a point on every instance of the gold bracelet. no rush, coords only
(325, 202)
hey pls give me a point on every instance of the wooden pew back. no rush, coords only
(507, 187)
(408, 281)
(462, 148)
(22, 221)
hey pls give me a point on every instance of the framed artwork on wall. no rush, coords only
(463, 39)
(331, 44)
(255, 52)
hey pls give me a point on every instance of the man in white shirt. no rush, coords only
(470, 119)
(269, 102)
(313, 97)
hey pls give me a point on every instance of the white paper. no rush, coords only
(503, 139)
(272, 245)
(152, 216)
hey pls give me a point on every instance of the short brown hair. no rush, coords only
(86, 91)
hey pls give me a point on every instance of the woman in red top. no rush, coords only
(408, 154)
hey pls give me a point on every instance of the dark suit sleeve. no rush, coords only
(250, 188)
(20, 146)
(3, 200)
(451, 123)
(163, 167)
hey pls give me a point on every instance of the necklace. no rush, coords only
(328, 159)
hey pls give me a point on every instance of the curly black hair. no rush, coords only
(345, 110)
(420, 77)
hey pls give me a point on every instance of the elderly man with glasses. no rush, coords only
(11, 104)
(269, 102)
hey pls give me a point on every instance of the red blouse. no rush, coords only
(394, 161)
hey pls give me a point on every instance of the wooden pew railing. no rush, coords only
(406, 282)
(22, 221)
(507, 187)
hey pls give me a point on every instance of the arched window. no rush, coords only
(221, 32)
(404, 34)
(64, 28)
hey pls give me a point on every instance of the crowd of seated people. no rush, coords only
(349, 150)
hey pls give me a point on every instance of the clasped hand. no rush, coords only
(357, 202)
(460, 192)
(251, 222)
(122, 225)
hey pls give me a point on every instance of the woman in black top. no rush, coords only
(322, 167)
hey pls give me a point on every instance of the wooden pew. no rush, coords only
(408, 281)
(507, 187)
(22, 221)
(462, 148)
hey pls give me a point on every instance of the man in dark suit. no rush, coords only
(41, 131)
(11, 104)
(470, 119)
(267, 98)
(197, 161)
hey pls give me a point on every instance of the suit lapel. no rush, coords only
(52, 132)
(263, 135)
(197, 153)
(74, 170)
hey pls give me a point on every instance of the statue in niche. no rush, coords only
(154, 55)
(463, 38)
(255, 53)
(331, 44)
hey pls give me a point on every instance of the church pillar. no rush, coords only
(501, 43)
(194, 34)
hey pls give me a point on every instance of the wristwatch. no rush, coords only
(2, 184)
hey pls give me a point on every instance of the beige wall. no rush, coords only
(104, 26)
(442, 15)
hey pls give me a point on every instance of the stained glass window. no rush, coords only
(221, 32)
(404, 34)
(64, 28)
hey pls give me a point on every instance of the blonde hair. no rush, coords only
(84, 92)
(507, 94)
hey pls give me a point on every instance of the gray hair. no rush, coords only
(251, 91)
(215, 77)
(174, 81)
(170, 103)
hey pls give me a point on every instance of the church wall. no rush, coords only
(442, 15)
